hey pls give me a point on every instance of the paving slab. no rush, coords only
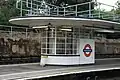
(34, 70)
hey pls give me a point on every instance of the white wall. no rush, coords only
(83, 58)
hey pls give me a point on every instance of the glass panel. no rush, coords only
(69, 34)
(43, 40)
(68, 46)
(60, 40)
(60, 51)
(51, 51)
(60, 46)
(51, 40)
(43, 51)
(75, 52)
(43, 34)
(69, 40)
(69, 51)
(43, 45)
(75, 46)
(64, 41)
(51, 45)
(51, 33)
(60, 34)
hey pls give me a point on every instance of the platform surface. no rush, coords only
(34, 70)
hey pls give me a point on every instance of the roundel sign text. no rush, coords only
(87, 50)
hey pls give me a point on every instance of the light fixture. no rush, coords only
(105, 31)
(66, 29)
(94, 28)
(37, 27)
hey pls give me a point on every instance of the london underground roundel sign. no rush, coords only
(87, 50)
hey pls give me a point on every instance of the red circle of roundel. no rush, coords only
(85, 50)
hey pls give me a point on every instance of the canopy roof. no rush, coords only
(63, 21)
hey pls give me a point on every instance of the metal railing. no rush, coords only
(41, 8)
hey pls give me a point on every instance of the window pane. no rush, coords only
(60, 51)
(51, 51)
(60, 46)
(43, 45)
(68, 51)
(43, 51)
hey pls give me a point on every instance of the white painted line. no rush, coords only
(72, 72)
(56, 72)
(41, 71)
(107, 59)
(39, 62)
(18, 64)
(61, 18)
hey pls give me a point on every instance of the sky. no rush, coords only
(110, 2)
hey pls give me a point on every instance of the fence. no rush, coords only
(93, 9)
(19, 42)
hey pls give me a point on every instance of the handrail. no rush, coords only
(79, 4)
(52, 10)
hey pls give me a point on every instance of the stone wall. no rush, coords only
(108, 46)
(20, 45)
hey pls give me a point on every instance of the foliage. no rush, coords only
(117, 11)
(71, 2)
(7, 10)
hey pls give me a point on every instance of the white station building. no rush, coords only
(67, 35)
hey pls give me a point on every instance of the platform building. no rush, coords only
(67, 35)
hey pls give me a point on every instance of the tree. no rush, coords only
(7, 10)
(117, 11)
(73, 2)
(69, 2)
(2, 3)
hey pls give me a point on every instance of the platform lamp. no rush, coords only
(39, 27)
